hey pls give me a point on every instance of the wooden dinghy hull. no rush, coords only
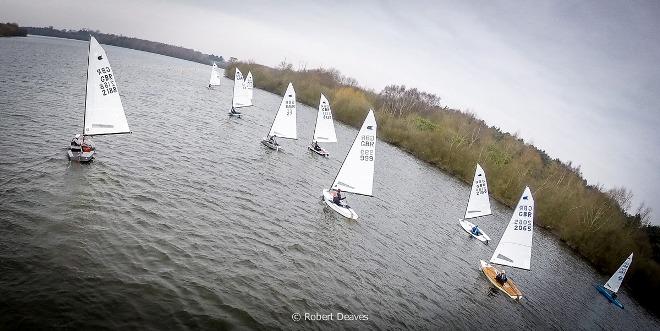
(509, 288)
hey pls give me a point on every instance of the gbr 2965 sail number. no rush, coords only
(524, 224)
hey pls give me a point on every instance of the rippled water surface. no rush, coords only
(190, 222)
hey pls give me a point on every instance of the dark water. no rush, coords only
(191, 223)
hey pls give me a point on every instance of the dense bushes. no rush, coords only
(589, 219)
(12, 30)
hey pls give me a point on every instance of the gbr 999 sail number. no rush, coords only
(523, 224)
(367, 154)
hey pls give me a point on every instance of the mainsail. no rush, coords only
(249, 86)
(215, 76)
(104, 113)
(479, 203)
(325, 127)
(515, 247)
(357, 172)
(240, 98)
(615, 281)
(284, 125)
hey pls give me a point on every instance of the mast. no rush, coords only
(317, 121)
(89, 50)
(345, 157)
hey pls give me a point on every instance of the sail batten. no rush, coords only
(356, 174)
(615, 281)
(515, 247)
(284, 125)
(324, 131)
(104, 113)
(479, 203)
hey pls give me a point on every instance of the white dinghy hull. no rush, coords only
(322, 152)
(270, 145)
(80, 156)
(467, 226)
(344, 210)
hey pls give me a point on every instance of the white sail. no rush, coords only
(104, 113)
(284, 125)
(479, 203)
(325, 127)
(357, 172)
(515, 247)
(615, 281)
(239, 98)
(249, 86)
(215, 76)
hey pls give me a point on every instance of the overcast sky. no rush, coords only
(579, 79)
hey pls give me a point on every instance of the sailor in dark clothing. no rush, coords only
(475, 231)
(317, 147)
(501, 277)
(271, 139)
(338, 198)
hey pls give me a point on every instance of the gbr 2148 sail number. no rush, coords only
(107, 81)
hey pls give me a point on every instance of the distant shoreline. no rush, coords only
(130, 43)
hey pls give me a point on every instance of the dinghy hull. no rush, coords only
(509, 288)
(344, 210)
(467, 226)
(270, 145)
(81, 156)
(322, 152)
(609, 296)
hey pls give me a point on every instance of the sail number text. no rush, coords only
(524, 224)
(325, 110)
(290, 106)
(367, 154)
(480, 187)
(107, 85)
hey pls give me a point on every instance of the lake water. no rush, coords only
(190, 222)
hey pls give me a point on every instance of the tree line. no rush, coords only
(601, 225)
(12, 30)
(132, 43)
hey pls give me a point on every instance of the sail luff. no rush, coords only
(284, 124)
(104, 113)
(515, 247)
(614, 283)
(479, 201)
(89, 50)
(324, 129)
(357, 171)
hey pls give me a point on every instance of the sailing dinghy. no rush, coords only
(515, 247)
(478, 205)
(215, 76)
(284, 125)
(324, 131)
(104, 113)
(356, 174)
(613, 284)
(240, 95)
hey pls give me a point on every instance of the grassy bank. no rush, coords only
(590, 220)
